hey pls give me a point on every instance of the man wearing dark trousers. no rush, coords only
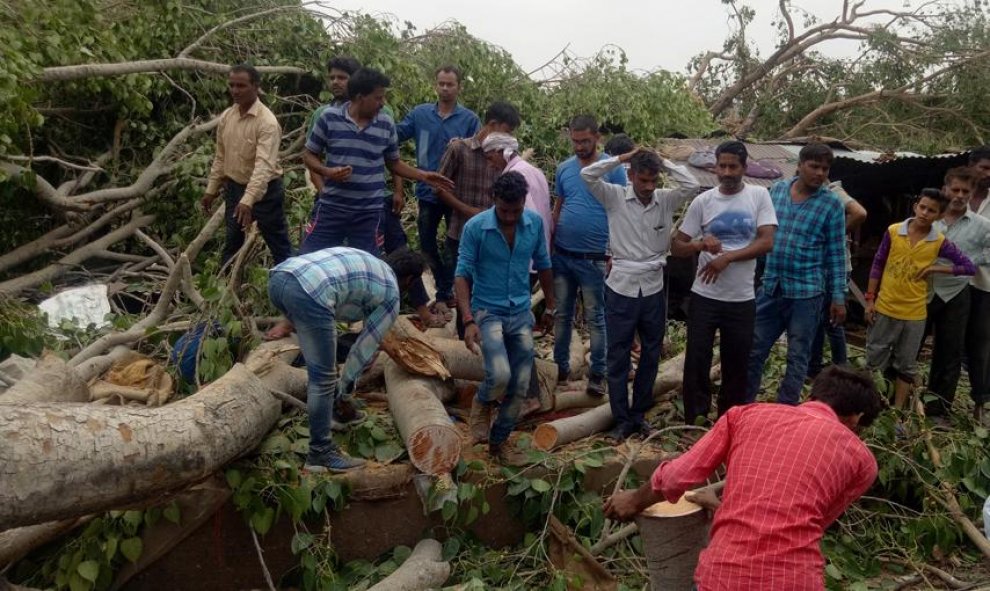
(640, 217)
(246, 167)
(432, 126)
(728, 227)
(978, 333)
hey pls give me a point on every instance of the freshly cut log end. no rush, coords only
(424, 569)
(545, 437)
(563, 431)
(409, 347)
(433, 442)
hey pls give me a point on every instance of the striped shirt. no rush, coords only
(790, 472)
(337, 137)
(808, 255)
(353, 285)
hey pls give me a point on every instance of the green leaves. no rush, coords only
(131, 548)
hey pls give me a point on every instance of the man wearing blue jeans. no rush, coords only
(580, 242)
(806, 266)
(317, 290)
(492, 282)
(432, 126)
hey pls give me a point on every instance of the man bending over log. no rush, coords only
(790, 472)
(492, 283)
(316, 290)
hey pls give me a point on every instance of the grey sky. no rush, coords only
(654, 34)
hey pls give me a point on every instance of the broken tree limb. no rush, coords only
(51, 380)
(547, 436)
(78, 72)
(57, 269)
(412, 350)
(66, 460)
(424, 569)
(19, 542)
(433, 443)
(578, 398)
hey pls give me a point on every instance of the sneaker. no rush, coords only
(596, 386)
(332, 461)
(480, 421)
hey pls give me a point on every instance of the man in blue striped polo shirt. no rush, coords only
(358, 142)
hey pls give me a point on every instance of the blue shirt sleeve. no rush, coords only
(617, 176)
(556, 183)
(541, 256)
(474, 124)
(317, 140)
(835, 253)
(467, 251)
(407, 128)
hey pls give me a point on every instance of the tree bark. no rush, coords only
(424, 569)
(51, 380)
(433, 443)
(412, 350)
(19, 542)
(78, 72)
(64, 460)
(547, 436)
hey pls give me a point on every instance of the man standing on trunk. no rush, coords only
(432, 126)
(728, 227)
(640, 217)
(806, 266)
(978, 334)
(492, 281)
(949, 297)
(246, 167)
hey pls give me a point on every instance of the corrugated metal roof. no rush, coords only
(777, 154)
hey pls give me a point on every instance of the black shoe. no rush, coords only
(619, 433)
(642, 429)
(596, 386)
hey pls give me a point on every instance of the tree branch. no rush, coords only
(80, 71)
(185, 53)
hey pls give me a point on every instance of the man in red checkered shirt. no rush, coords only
(790, 472)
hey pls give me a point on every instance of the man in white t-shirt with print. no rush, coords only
(728, 226)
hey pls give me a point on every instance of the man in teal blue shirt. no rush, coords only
(432, 126)
(492, 280)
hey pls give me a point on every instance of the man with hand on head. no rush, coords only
(728, 227)
(640, 217)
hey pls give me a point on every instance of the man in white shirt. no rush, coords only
(728, 227)
(640, 217)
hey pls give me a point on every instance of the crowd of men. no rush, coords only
(607, 236)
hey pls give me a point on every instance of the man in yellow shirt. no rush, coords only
(246, 167)
(907, 257)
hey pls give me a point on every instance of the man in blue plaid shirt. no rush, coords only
(317, 290)
(806, 265)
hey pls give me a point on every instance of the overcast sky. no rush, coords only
(654, 33)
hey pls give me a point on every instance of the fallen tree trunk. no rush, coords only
(433, 443)
(563, 431)
(66, 460)
(19, 542)
(411, 349)
(465, 365)
(424, 569)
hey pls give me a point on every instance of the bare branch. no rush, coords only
(43, 189)
(202, 39)
(784, 12)
(80, 71)
(59, 161)
(158, 248)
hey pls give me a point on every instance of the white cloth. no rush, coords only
(638, 234)
(733, 219)
(500, 141)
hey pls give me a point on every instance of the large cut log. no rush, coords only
(51, 380)
(433, 443)
(411, 349)
(65, 460)
(424, 569)
(547, 436)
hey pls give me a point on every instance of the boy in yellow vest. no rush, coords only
(907, 256)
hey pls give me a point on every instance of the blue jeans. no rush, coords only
(331, 225)
(317, 332)
(507, 349)
(568, 275)
(428, 225)
(625, 316)
(775, 315)
(836, 343)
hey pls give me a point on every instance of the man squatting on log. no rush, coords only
(316, 290)
(492, 283)
(790, 472)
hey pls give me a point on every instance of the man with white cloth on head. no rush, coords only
(502, 152)
(640, 217)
